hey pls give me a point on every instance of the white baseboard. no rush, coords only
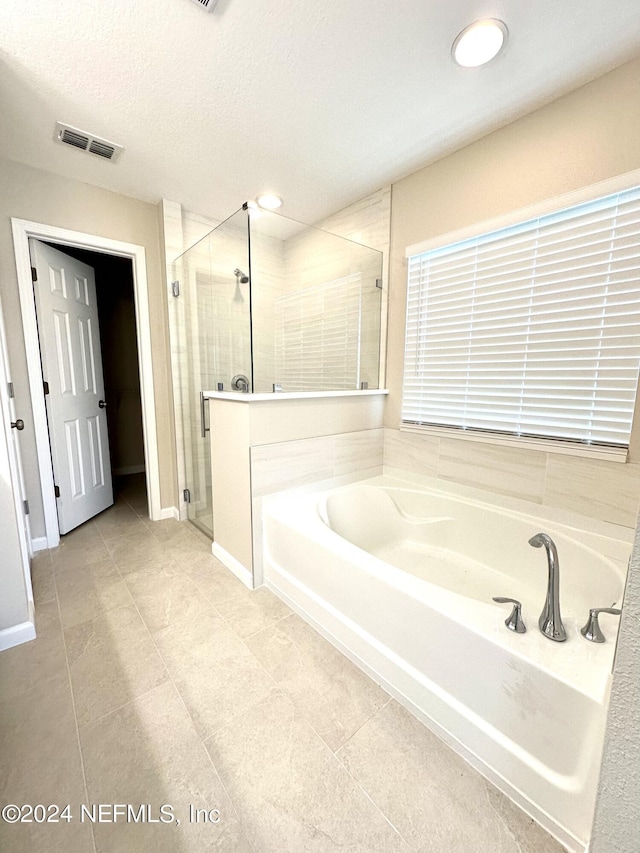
(39, 543)
(130, 469)
(234, 566)
(169, 512)
(18, 634)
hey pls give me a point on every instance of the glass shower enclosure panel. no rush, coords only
(265, 303)
(316, 308)
(214, 346)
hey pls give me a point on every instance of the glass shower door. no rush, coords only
(213, 348)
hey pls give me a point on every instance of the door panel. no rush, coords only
(67, 310)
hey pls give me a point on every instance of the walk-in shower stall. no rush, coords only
(263, 302)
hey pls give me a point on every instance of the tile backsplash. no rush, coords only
(609, 491)
(291, 464)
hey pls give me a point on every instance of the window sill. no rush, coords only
(608, 454)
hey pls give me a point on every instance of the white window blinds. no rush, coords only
(532, 330)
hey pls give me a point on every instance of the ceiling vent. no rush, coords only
(208, 5)
(87, 142)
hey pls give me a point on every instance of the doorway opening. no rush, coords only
(67, 240)
(114, 286)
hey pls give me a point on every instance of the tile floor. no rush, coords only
(157, 678)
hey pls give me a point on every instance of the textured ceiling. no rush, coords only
(321, 101)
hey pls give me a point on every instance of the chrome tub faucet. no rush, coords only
(550, 621)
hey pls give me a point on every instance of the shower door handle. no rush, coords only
(203, 428)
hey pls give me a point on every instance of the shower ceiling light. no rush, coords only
(479, 43)
(269, 201)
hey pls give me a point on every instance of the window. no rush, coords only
(531, 330)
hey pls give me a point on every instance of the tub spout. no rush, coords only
(550, 621)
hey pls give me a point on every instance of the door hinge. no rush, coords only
(46, 388)
(34, 274)
(187, 496)
(11, 392)
(175, 288)
(25, 504)
(57, 491)
(379, 283)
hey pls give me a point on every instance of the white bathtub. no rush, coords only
(401, 579)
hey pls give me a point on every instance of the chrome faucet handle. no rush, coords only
(591, 630)
(514, 621)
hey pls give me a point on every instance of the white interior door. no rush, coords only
(65, 293)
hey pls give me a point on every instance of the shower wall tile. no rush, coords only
(195, 227)
(409, 451)
(366, 221)
(506, 470)
(606, 490)
(171, 215)
(314, 258)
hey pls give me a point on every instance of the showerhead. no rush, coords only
(243, 278)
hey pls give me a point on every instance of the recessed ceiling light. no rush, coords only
(479, 43)
(269, 201)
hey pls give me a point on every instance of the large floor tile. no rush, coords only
(138, 551)
(84, 593)
(247, 611)
(172, 531)
(140, 505)
(118, 520)
(435, 799)
(86, 530)
(330, 691)
(252, 611)
(291, 793)
(37, 661)
(216, 674)
(41, 765)
(199, 562)
(166, 595)
(112, 660)
(43, 584)
(76, 552)
(149, 752)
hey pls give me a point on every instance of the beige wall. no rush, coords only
(590, 135)
(27, 193)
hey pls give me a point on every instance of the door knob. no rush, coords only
(102, 404)
(19, 424)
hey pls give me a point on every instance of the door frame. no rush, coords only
(22, 632)
(22, 231)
